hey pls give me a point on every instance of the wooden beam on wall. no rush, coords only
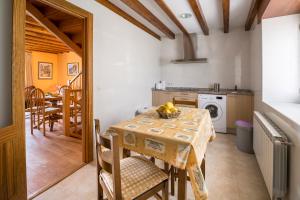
(37, 15)
(226, 8)
(126, 16)
(149, 16)
(171, 15)
(196, 7)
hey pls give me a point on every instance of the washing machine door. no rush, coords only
(214, 109)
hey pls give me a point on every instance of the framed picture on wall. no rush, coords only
(45, 70)
(73, 68)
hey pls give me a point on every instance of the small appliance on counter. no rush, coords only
(161, 85)
(217, 87)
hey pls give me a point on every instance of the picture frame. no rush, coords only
(72, 68)
(45, 70)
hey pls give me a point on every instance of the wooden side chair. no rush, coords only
(27, 97)
(61, 91)
(186, 102)
(129, 178)
(40, 111)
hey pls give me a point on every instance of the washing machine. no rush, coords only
(216, 104)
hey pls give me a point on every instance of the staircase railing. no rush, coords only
(76, 82)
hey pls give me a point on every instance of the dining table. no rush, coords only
(53, 99)
(181, 142)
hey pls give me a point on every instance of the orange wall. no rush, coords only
(45, 85)
(63, 60)
(60, 76)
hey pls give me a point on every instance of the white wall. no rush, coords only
(228, 61)
(283, 122)
(126, 65)
(5, 62)
(256, 65)
(281, 59)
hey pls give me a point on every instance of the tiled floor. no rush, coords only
(50, 158)
(231, 175)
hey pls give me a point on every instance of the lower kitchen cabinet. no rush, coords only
(161, 97)
(239, 107)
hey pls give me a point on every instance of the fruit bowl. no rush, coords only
(168, 115)
(168, 111)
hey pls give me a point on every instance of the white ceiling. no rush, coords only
(212, 10)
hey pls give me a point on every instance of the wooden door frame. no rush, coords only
(87, 72)
(12, 137)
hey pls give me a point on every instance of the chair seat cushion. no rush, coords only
(138, 175)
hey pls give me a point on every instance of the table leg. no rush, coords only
(203, 167)
(182, 187)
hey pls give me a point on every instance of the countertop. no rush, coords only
(207, 91)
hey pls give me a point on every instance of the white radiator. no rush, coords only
(271, 149)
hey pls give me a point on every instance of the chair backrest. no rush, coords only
(186, 102)
(37, 100)
(108, 158)
(62, 88)
(27, 95)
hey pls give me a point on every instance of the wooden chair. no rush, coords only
(186, 102)
(62, 88)
(27, 97)
(40, 111)
(129, 178)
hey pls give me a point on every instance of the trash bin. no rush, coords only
(244, 136)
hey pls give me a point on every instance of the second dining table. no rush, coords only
(180, 142)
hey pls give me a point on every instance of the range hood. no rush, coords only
(189, 51)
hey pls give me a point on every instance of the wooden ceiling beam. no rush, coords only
(226, 8)
(171, 15)
(55, 14)
(42, 48)
(262, 8)
(196, 7)
(41, 36)
(139, 8)
(33, 42)
(126, 16)
(252, 14)
(71, 25)
(77, 38)
(55, 42)
(37, 30)
(50, 26)
(34, 33)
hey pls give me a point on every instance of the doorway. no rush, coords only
(58, 70)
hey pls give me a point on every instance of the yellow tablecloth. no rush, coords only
(180, 142)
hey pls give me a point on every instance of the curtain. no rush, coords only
(28, 69)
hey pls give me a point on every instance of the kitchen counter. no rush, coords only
(207, 91)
